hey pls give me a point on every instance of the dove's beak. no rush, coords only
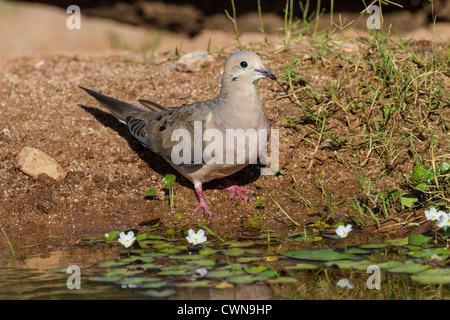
(266, 73)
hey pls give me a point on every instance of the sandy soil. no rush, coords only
(41, 66)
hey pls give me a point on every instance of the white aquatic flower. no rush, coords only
(433, 214)
(342, 231)
(196, 238)
(127, 239)
(345, 283)
(444, 220)
(202, 272)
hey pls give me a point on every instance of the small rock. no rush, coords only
(161, 195)
(184, 95)
(6, 131)
(193, 61)
(39, 64)
(34, 162)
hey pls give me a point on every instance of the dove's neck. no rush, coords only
(239, 106)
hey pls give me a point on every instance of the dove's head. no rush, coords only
(245, 67)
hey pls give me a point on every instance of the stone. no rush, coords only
(35, 163)
(194, 61)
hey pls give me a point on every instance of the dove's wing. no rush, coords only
(156, 130)
(153, 106)
(162, 131)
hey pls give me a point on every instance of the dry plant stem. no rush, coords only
(282, 210)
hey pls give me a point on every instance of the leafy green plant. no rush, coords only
(168, 179)
(151, 193)
(430, 182)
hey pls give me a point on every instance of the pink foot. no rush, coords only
(202, 203)
(230, 186)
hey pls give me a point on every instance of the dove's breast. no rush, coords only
(227, 148)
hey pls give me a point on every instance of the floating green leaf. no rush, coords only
(110, 235)
(433, 276)
(224, 273)
(255, 269)
(248, 259)
(134, 280)
(238, 244)
(208, 251)
(105, 279)
(350, 264)
(187, 257)
(310, 238)
(282, 280)
(112, 263)
(158, 284)
(93, 240)
(170, 250)
(301, 266)
(247, 279)
(135, 258)
(240, 251)
(409, 268)
(149, 266)
(122, 272)
(59, 270)
(196, 284)
(159, 294)
(374, 246)
(178, 272)
(152, 254)
(358, 251)
(398, 242)
(203, 262)
(320, 255)
(429, 253)
(419, 240)
(389, 264)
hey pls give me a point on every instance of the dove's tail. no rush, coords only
(121, 110)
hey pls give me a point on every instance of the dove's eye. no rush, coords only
(243, 64)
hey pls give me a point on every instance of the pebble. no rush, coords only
(34, 163)
(193, 61)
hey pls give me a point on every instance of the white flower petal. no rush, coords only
(191, 233)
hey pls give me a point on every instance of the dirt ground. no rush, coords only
(41, 66)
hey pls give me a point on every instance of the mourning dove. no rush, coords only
(237, 107)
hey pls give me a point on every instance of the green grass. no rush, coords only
(9, 243)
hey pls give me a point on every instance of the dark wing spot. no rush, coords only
(159, 118)
(162, 128)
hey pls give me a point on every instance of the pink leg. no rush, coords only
(202, 203)
(230, 186)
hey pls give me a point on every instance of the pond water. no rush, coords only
(299, 267)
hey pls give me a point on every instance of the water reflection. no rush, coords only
(39, 273)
